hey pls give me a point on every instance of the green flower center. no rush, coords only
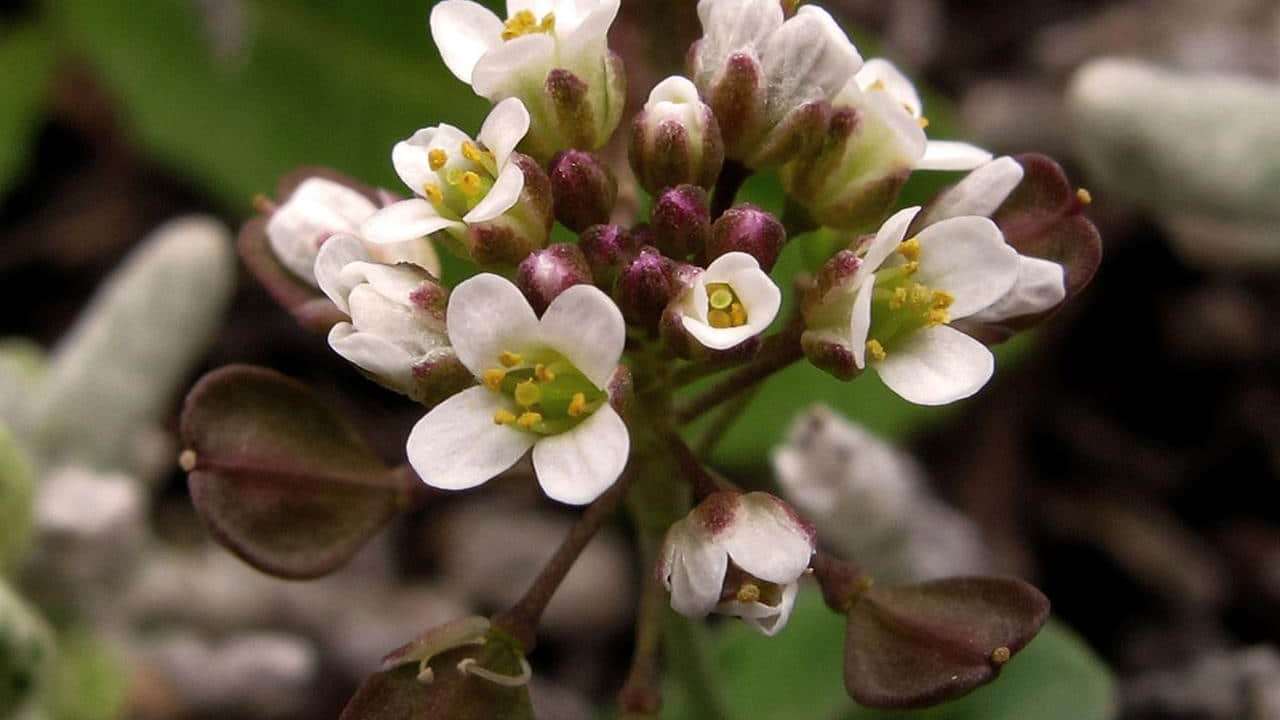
(725, 309)
(462, 183)
(900, 305)
(548, 394)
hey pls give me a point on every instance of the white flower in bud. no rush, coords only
(545, 385)
(551, 54)
(730, 302)
(740, 555)
(320, 207)
(891, 302)
(396, 333)
(676, 139)
(1041, 284)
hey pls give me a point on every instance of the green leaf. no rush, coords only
(17, 489)
(26, 654)
(279, 478)
(26, 63)
(90, 682)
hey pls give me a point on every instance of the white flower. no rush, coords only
(740, 555)
(320, 207)
(513, 58)
(1041, 284)
(890, 304)
(397, 329)
(733, 300)
(544, 386)
(676, 140)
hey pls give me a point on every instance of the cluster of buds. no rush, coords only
(573, 353)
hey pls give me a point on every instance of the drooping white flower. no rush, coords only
(888, 303)
(474, 194)
(878, 140)
(552, 54)
(740, 555)
(770, 80)
(732, 301)
(544, 385)
(320, 207)
(1041, 284)
(396, 333)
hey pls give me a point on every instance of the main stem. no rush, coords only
(732, 176)
(781, 351)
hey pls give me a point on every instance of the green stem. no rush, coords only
(782, 350)
(688, 659)
(732, 176)
(724, 419)
(641, 695)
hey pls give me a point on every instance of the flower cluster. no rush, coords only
(582, 355)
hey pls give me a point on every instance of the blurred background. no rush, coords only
(1124, 458)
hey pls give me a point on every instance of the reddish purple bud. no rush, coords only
(584, 189)
(748, 229)
(548, 272)
(737, 98)
(681, 221)
(607, 248)
(644, 288)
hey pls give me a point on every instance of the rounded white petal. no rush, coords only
(860, 323)
(766, 541)
(409, 158)
(947, 155)
(1041, 286)
(419, 251)
(458, 445)
(586, 327)
(675, 89)
(503, 130)
(517, 63)
(936, 366)
(464, 31)
(584, 36)
(488, 315)
(404, 221)
(695, 570)
(760, 297)
(318, 208)
(730, 26)
(503, 196)
(724, 268)
(885, 243)
(717, 338)
(539, 8)
(768, 620)
(881, 74)
(980, 193)
(374, 354)
(808, 58)
(968, 258)
(575, 467)
(335, 254)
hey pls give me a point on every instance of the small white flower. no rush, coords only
(740, 555)
(676, 139)
(545, 386)
(892, 308)
(320, 207)
(458, 182)
(733, 300)
(397, 329)
(1041, 284)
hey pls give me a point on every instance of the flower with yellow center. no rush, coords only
(730, 302)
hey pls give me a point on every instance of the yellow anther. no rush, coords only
(542, 374)
(910, 249)
(529, 420)
(493, 378)
(1001, 655)
(528, 393)
(483, 158)
(719, 319)
(923, 121)
(504, 417)
(748, 593)
(875, 350)
(899, 298)
(509, 359)
(577, 405)
(920, 294)
(548, 23)
(877, 85)
(911, 268)
(938, 317)
(437, 158)
(942, 299)
(525, 22)
(738, 314)
(431, 192)
(471, 184)
(1085, 197)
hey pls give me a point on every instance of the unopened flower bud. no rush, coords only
(548, 272)
(748, 229)
(607, 248)
(681, 222)
(676, 139)
(584, 189)
(644, 287)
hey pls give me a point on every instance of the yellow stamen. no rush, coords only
(528, 393)
(483, 158)
(938, 317)
(910, 249)
(504, 417)
(509, 359)
(748, 593)
(942, 299)
(548, 23)
(719, 319)
(543, 375)
(912, 267)
(877, 85)
(431, 192)
(720, 297)
(493, 378)
(437, 158)
(899, 298)
(875, 350)
(738, 314)
(920, 294)
(577, 405)
(525, 22)
(923, 121)
(528, 420)
(471, 184)
(1085, 197)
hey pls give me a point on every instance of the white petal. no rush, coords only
(503, 130)
(459, 446)
(886, 241)
(338, 252)
(374, 354)
(882, 74)
(539, 8)
(409, 158)
(584, 325)
(584, 37)
(1041, 286)
(968, 258)
(717, 338)
(419, 251)
(766, 541)
(946, 155)
(696, 570)
(464, 31)
(808, 58)
(980, 193)
(404, 221)
(725, 267)
(770, 620)
(316, 209)
(760, 297)
(675, 89)
(517, 63)
(504, 194)
(575, 467)
(860, 323)
(936, 366)
(487, 315)
(730, 26)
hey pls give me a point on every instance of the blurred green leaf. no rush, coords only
(17, 490)
(90, 681)
(26, 62)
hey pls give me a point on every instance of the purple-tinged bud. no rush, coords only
(827, 306)
(737, 97)
(644, 288)
(607, 248)
(508, 239)
(578, 107)
(548, 272)
(748, 229)
(584, 189)
(676, 140)
(681, 221)
(801, 133)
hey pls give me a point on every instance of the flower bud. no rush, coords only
(584, 189)
(748, 229)
(548, 272)
(682, 222)
(676, 140)
(508, 239)
(607, 248)
(645, 287)
(824, 305)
